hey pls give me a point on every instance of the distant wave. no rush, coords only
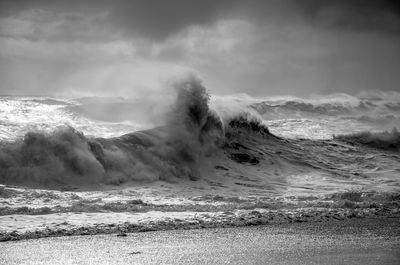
(384, 103)
(49, 101)
(20, 115)
(382, 140)
(378, 119)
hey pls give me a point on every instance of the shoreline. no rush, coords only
(196, 220)
(354, 241)
(31, 213)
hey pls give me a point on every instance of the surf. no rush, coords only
(198, 141)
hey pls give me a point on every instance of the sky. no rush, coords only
(255, 47)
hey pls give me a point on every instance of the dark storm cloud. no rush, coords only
(150, 18)
(158, 19)
(255, 46)
(382, 16)
(378, 15)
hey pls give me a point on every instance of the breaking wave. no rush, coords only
(381, 140)
(176, 150)
(197, 140)
(373, 108)
(334, 104)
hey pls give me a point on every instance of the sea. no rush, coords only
(318, 117)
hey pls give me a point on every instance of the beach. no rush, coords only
(360, 241)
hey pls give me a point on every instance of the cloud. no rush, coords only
(40, 24)
(239, 55)
(78, 68)
(201, 44)
(151, 19)
(356, 15)
(158, 20)
(258, 47)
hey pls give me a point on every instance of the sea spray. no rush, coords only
(195, 142)
(66, 157)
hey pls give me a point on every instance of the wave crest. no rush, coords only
(382, 140)
(66, 156)
(62, 156)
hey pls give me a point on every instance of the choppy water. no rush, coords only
(199, 139)
(19, 115)
(222, 147)
(317, 118)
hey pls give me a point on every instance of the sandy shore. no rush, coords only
(357, 241)
(122, 223)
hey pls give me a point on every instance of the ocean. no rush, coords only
(48, 140)
(103, 163)
(320, 117)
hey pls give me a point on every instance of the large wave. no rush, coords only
(382, 140)
(66, 156)
(195, 142)
(372, 105)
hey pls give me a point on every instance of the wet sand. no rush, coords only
(357, 241)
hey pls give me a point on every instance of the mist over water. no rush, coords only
(66, 156)
(54, 142)
(322, 117)
(318, 118)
